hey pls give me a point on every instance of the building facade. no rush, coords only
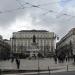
(8, 41)
(5, 49)
(24, 41)
(67, 44)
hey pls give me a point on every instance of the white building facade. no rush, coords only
(23, 40)
(67, 42)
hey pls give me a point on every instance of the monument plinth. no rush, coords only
(34, 50)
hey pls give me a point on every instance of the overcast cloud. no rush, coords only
(54, 15)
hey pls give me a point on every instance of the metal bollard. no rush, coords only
(38, 71)
(67, 68)
(49, 70)
(0, 71)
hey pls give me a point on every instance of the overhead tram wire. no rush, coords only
(69, 16)
(26, 3)
(48, 11)
(31, 5)
(22, 7)
(65, 14)
(38, 6)
(48, 3)
(8, 11)
(62, 9)
(20, 4)
(12, 10)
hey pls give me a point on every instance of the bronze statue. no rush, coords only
(34, 39)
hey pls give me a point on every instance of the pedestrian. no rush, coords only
(74, 59)
(12, 59)
(18, 63)
(55, 59)
(66, 58)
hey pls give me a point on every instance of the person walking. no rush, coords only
(18, 63)
(66, 58)
(12, 59)
(55, 59)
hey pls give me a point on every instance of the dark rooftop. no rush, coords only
(33, 31)
(71, 32)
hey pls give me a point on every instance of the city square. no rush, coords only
(26, 64)
(37, 37)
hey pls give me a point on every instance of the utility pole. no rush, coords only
(38, 66)
(49, 70)
(0, 71)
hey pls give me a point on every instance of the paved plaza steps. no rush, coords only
(32, 72)
(27, 66)
(43, 72)
(12, 71)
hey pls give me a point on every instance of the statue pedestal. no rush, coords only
(33, 50)
(34, 44)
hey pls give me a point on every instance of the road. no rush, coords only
(58, 73)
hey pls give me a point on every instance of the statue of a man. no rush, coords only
(34, 39)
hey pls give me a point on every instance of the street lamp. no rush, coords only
(38, 63)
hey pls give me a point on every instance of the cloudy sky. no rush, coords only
(53, 15)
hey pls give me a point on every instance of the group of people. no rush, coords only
(61, 59)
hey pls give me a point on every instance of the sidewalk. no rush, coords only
(33, 65)
(26, 64)
(46, 73)
(27, 71)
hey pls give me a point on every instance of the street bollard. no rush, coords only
(0, 71)
(67, 68)
(38, 71)
(49, 70)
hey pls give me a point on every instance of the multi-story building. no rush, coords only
(22, 41)
(8, 41)
(4, 49)
(67, 44)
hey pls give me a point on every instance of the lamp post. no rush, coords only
(38, 63)
(49, 70)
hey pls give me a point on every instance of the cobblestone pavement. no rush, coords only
(27, 64)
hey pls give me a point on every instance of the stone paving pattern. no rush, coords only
(26, 64)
